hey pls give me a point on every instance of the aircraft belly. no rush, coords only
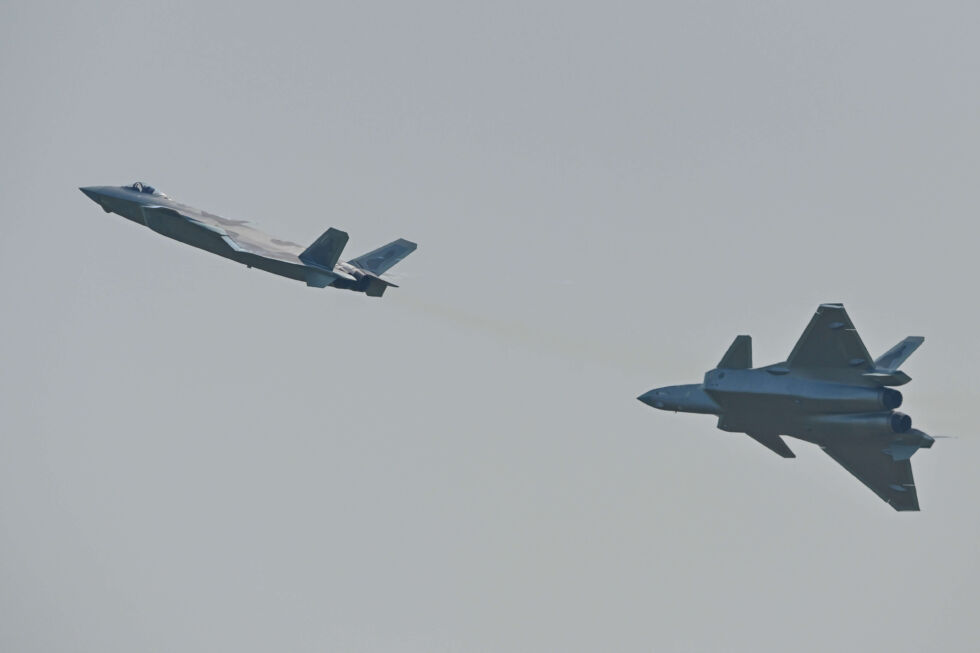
(804, 404)
(756, 403)
(758, 412)
(188, 232)
(216, 240)
(282, 268)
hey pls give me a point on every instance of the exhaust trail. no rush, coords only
(534, 337)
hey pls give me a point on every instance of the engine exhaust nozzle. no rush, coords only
(900, 423)
(891, 399)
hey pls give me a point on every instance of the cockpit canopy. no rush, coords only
(140, 187)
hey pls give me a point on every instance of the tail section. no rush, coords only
(739, 355)
(325, 250)
(886, 370)
(382, 259)
(892, 359)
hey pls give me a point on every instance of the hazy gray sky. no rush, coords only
(199, 457)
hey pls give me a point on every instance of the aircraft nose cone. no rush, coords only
(652, 398)
(91, 192)
(99, 195)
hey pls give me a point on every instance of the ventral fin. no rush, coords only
(774, 442)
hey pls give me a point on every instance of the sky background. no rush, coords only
(199, 457)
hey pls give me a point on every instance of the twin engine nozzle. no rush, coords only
(899, 422)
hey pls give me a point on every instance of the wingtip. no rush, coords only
(901, 508)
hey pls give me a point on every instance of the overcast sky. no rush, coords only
(199, 457)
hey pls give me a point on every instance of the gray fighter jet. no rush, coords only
(319, 265)
(829, 392)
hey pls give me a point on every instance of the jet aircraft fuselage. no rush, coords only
(317, 265)
(828, 392)
(769, 399)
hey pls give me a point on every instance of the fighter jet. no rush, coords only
(318, 265)
(829, 392)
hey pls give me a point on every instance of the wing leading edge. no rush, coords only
(830, 348)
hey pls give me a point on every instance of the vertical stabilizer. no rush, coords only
(739, 355)
(892, 359)
(325, 250)
(382, 259)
